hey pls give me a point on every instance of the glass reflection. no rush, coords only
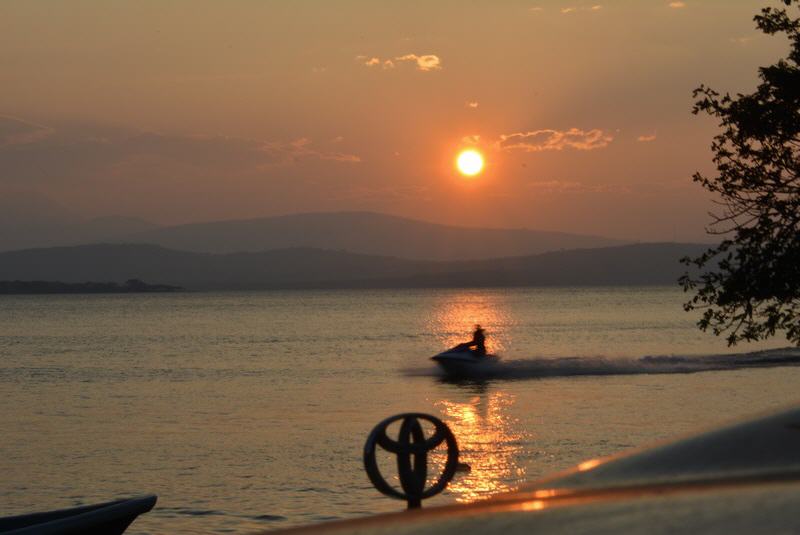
(489, 440)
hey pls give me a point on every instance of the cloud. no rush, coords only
(373, 61)
(743, 41)
(384, 193)
(535, 9)
(472, 104)
(646, 139)
(369, 61)
(474, 139)
(677, 5)
(544, 140)
(14, 131)
(428, 62)
(567, 186)
(302, 148)
(596, 7)
(74, 153)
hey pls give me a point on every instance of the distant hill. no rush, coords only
(32, 220)
(645, 264)
(73, 232)
(365, 233)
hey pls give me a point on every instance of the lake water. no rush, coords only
(248, 411)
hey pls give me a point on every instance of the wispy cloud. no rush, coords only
(569, 186)
(14, 131)
(474, 139)
(677, 5)
(743, 41)
(71, 152)
(375, 62)
(596, 7)
(646, 138)
(428, 62)
(547, 139)
(473, 104)
(384, 193)
(304, 148)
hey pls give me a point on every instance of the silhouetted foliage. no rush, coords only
(749, 286)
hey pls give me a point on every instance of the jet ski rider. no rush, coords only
(478, 342)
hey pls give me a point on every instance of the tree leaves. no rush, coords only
(749, 285)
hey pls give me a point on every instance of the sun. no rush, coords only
(469, 162)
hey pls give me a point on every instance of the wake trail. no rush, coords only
(651, 364)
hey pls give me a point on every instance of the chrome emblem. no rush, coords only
(411, 442)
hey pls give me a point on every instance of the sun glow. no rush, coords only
(469, 162)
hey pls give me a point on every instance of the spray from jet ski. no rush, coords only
(464, 364)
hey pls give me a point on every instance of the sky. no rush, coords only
(199, 110)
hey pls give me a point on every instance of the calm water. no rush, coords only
(248, 411)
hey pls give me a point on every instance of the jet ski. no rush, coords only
(461, 361)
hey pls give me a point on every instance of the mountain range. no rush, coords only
(641, 264)
(314, 250)
(31, 220)
(28, 221)
(366, 233)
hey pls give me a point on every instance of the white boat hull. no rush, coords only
(465, 363)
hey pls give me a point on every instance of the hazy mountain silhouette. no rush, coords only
(366, 233)
(32, 220)
(645, 264)
(18, 235)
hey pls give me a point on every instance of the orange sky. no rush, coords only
(197, 110)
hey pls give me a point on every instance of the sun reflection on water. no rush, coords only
(489, 441)
(489, 438)
(456, 315)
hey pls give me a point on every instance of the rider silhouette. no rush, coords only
(478, 342)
